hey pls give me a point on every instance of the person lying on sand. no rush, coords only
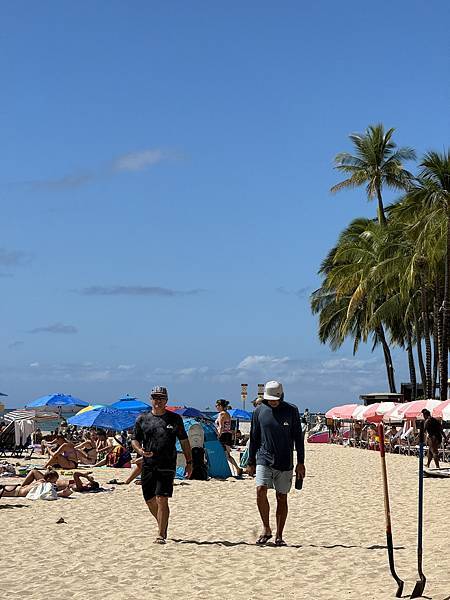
(21, 491)
(61, 484)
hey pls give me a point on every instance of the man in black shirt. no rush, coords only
(155, 436)
(275, 430)
(433, 428)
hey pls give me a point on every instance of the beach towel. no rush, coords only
(43, 491)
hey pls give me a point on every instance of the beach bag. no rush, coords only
(43, 491)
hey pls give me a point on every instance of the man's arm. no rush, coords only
(138, 438)
(254, 442)
(299, 445)
(185, 446)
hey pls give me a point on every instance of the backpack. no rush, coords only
(199, 468)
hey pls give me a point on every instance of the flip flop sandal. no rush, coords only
(160, 540)
(280, 542)
(263, 539)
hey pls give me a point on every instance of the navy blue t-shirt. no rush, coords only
(273, 435)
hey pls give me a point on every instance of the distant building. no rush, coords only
(380, 397)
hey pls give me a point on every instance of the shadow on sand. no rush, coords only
(271, 544)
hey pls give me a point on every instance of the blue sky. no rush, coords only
(164, 182)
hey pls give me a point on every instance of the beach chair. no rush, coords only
(8, 444)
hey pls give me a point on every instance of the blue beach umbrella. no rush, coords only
(188, 411)
(57, 401)
(131, 404)
(238, 413)
(104, 417)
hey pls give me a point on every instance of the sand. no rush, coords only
(335, 532)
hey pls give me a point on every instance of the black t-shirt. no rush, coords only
(274, 433)
(434, 428)
(158, 434)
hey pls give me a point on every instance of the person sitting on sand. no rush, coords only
(64, 457)
(88, 454)
(117, 457)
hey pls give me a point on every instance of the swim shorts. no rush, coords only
(268, 477)
(156, 482)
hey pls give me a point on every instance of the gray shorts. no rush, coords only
(281, 481)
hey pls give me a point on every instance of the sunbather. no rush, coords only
(87, 450)
(64, 457)
(21, 491)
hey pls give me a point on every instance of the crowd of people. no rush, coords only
(398, 439)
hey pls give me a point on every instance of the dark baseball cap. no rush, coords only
(159, 390)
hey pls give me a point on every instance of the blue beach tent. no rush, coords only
(217, 461)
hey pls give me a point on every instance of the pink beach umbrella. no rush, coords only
(442, 411)
(358, 412)
(396, 414)
(374, 413)
(341, 412)
(413, 409)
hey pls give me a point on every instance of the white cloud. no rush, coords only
(138, 161)
(33, 365)
(126, 367)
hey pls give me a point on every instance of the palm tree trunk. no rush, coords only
(436, 303)
(443, 366)
(423, 373)
(381, 215)
(426, 337)
(412, 367)
(387, 359)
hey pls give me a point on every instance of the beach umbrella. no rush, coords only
(57, 401)
(188, 411)
(131, 404)
(104, 417)
(90, 407)
(374, 412)
(358, 412)
(238, 413)
(442, 411)
(413, 410)
(341, 412)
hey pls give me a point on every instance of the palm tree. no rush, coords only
(377, 163)
(431, 192)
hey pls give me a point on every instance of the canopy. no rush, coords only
(56, 400)
(132, 404)
(374, 412)
(238, 413)
(414, 409)
(90, 407)
(341, 412)
(104, 417)
(188, 411)
(442, 411)
(33, 415)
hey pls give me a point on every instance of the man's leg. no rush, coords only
(282, 512)
(435, 450)
(429, 455)
(162, 516)
(264, 509)
(153, 507)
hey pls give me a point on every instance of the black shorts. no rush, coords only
(157, 482)
(226, 439)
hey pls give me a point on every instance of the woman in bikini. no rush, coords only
(64, 457)
(223, 425)
(87, 450)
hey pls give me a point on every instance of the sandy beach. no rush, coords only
(335, 532)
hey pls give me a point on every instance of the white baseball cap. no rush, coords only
(273, 390)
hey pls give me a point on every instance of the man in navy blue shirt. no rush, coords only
(275, 431)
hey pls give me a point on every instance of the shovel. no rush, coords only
(420, 583)
(387, 512)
